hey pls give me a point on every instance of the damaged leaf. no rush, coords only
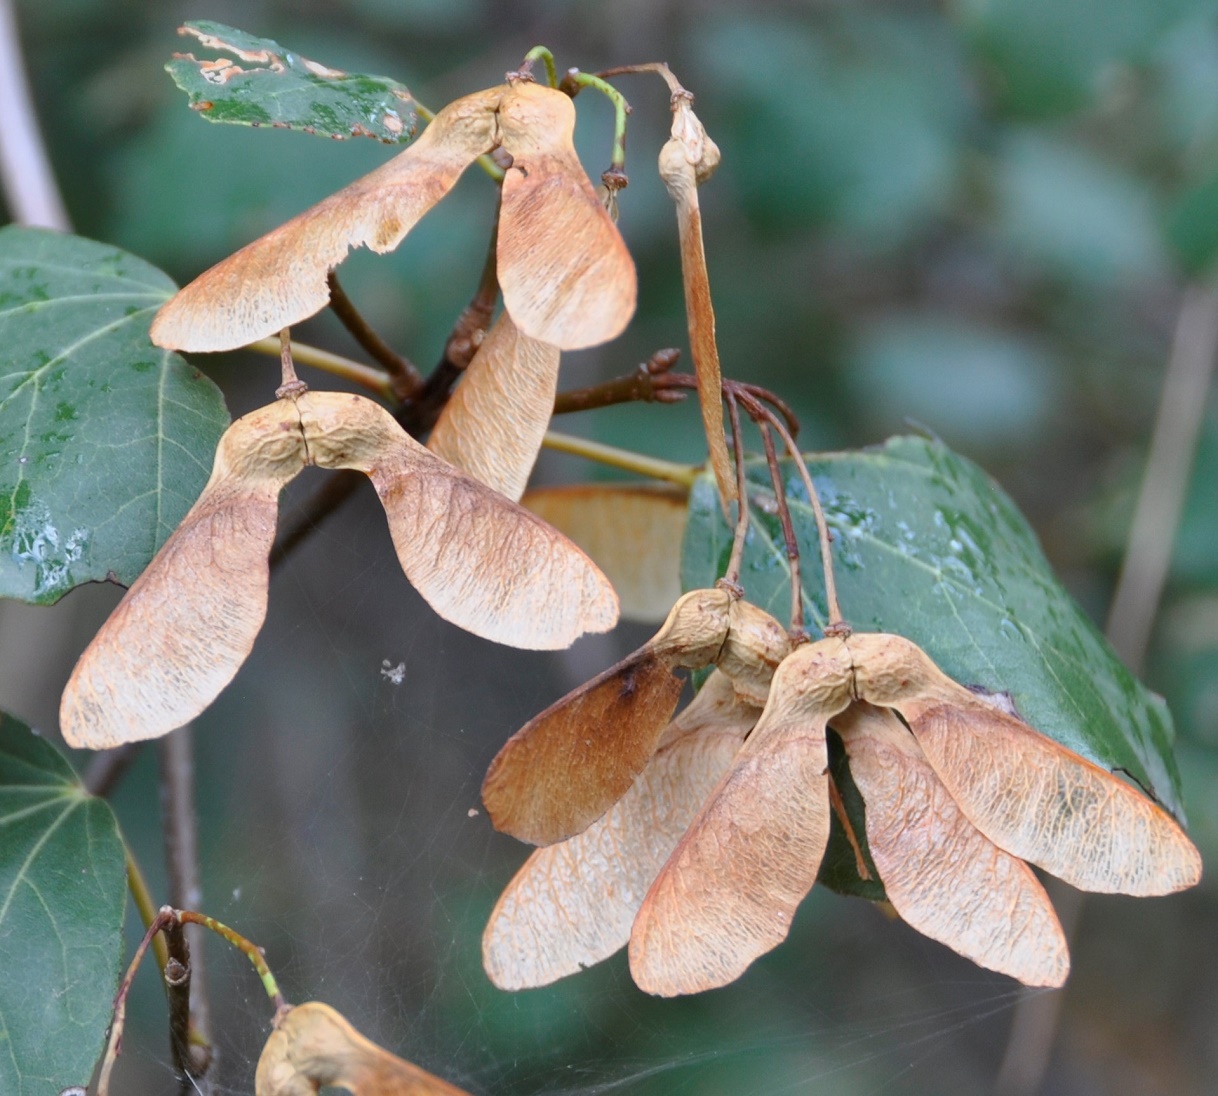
(567, 766)
(566, 276)
(314, 1046)
(929, 546)
(492, 425)
(189, 622)
(632, 532)
(264, 84)
(104, 439)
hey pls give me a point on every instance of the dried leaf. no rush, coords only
(940, 873)
(280, 278)
(572, 904)
(314, 1046)
(568, 765)
(566, 276)
(189, 621)
(492, 426)
(688, 158)
(1025, 792)
(728, 893)
(632, 531)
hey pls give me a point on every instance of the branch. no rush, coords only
(25, 170)
(1173, 443)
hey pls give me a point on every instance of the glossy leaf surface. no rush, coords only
(105, 440)
(927, 546)
(62, 893)
(266, 84)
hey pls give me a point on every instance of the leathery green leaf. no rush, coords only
(105, 439)
(62, 892)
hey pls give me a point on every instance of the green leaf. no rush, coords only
(927, 546)
(269, 85)
(62, 892)
(105, 439)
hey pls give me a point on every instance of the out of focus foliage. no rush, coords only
(977, 216)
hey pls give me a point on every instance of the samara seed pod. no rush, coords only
(572, 904)
(730, 889)
(566, 275)
(315, 1046)
(189, 622)
(493, 424)
(1028, 794)
(941, 874)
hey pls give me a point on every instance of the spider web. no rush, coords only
(343, 832)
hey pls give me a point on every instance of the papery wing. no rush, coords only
(566, 276)
(940, 872)
(632, 531)
(1044, 803)
(492, 426)
(728, 893)
(189, 621)
(280, 278)
(572, 904)
(569, 764)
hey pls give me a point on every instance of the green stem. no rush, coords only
(251, 951)
(144, 905)
(621, 108)
(367, 376)
(653, 467)
(545, 55)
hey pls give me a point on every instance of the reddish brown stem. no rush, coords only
(644, 385)
(798, 632)
(405, 379)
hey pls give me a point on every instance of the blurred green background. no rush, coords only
(977, 217)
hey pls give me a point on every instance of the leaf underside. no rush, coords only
(927, 546)
(105, 440)
(265, 84)
(62, 892)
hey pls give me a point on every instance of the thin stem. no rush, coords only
(684, 474)
(836, 624)
(191, 1057)
(292, 385)
(375, 380)
(839, 809)
(189, 1007)
(1135, 604)
(542, 53)
(731, 577)
(405, 380)
(657, 67)
(573, 82)
(144, 905)
(645, 385)
(114, 1044)
(30, 190)
(107, 767)
(798, 631)
(251, 951)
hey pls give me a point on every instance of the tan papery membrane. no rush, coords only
(567, 766)
(493, 424)
(187, 624)
(572, 904)
(631, 531)
(566, 275)
(313, 1045)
